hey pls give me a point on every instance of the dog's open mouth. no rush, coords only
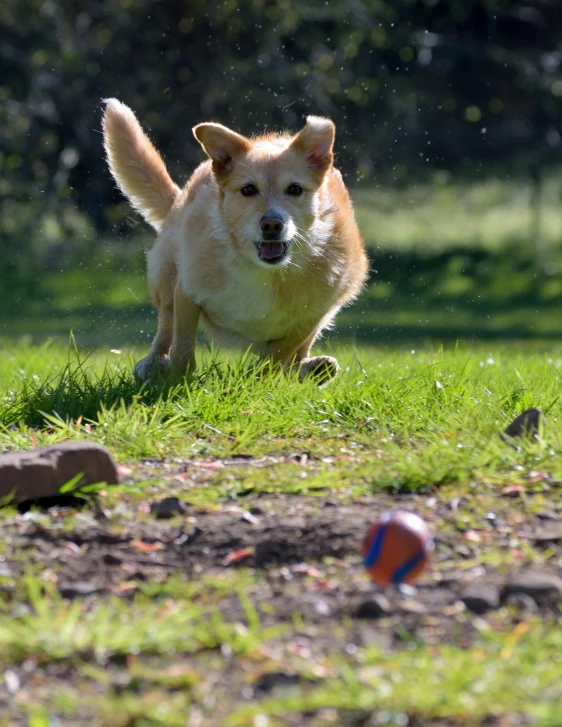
(272, 252)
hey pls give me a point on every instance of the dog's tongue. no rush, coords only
(270, 250)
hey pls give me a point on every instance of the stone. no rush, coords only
(547, 515)
(549, 535)
(522, 602)
(41, 472)
(167, 508)
(80, 589)
(480, 597)
(540, 585)
(374, 607)
(525, 425)
(410, 605)
(278, 681)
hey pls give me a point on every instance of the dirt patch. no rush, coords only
(307, 550)
(303, 566)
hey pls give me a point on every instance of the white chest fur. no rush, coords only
(255, 306)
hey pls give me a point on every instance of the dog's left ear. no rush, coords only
(316, 141)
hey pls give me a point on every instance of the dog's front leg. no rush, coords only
(157, 362)
(186, 321)
(292, 352)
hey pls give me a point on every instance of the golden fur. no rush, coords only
(212, 260)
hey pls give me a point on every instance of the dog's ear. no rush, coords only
(316, 141)
(221, 144)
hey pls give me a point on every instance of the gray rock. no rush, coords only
(525, 425)
(41, 472)
(480, 597)
(547, 515)
(522, 602)
(375, 607)
(167, 508)
(80, 589)
(549, 535)
(540, 585)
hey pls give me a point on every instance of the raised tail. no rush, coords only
(135, 164)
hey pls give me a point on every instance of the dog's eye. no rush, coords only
(250, 190)
(295, 190)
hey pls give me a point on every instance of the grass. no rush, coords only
(432, 415)
(396, 421)
(505, 671)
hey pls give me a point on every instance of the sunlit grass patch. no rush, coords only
(404, 419)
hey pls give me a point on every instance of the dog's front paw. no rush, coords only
(152, 367)
(320, 368)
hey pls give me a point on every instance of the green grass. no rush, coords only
(489, 213)
(395, 421)
(505, 671)
(433, 415)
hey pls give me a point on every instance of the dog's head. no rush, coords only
(269, 187)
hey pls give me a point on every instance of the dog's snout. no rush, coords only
(271, 225)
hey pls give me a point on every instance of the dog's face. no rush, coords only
(269, 187)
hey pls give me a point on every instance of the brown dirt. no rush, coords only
(305, 552)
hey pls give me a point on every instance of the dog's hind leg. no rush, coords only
(320, 368)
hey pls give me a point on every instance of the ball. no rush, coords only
(397, 548)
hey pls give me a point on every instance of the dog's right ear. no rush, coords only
(221, 144)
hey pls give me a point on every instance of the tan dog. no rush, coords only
(261, 246)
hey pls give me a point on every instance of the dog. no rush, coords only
(261, 247)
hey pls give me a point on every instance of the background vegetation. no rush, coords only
(448, 117)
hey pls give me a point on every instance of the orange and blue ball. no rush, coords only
(397, 548)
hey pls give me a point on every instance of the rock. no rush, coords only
(375, 607)
(480, 597)
(540, 585)
(111, 559)
(278, 681)
(80, 589)
(322, 608)
(12, 681)
(250, 518)
(522, 602)
(548, 535)
(167, 508)
(270, 552)
(525, 425)
(41, 472)
(547, 515)
(409, 605)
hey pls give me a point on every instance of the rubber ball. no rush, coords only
(397, 548)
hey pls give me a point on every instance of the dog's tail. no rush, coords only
(135, 164)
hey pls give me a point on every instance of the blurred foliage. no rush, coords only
(449, 261)
(413, 85)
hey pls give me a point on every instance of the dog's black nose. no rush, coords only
(271, 225)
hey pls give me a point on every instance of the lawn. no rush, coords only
(244, 608)
(249, 606)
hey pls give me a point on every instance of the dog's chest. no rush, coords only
(258, 309)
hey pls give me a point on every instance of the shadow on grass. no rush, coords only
(78, 396)
(77, 393)
(412, 296)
